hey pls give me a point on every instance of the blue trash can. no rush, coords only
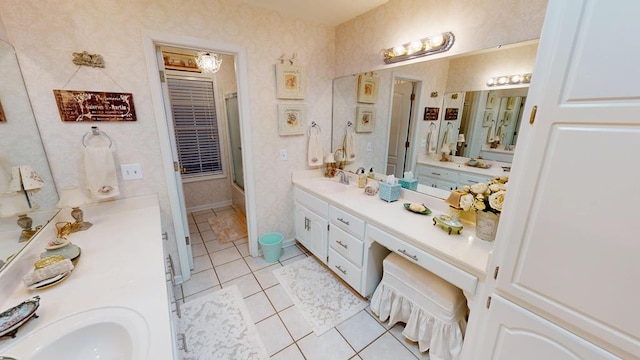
(271, 244)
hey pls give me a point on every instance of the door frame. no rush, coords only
(150, 41)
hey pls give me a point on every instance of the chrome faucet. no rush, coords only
(344, 178)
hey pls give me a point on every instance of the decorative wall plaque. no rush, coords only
(94, 106)
(431, 113)
(451, 114)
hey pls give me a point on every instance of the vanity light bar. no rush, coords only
(417, 48)
(509, 80)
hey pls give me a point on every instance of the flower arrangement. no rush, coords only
(485, 196)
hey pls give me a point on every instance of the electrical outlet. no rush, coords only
(368, 146)
(131, 171)
(283, 154)
(423, 143)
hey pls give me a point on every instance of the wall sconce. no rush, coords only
(208, 63)
(417, 48)
(15, 203)
(509, 80)
(73, 197)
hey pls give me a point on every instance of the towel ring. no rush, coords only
(350, 125)
(95, 132)
(314, 125)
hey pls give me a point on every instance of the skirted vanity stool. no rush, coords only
(433, 309)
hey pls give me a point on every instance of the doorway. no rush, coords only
(163, 118)
(401, 125)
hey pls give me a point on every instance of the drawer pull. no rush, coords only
(405, 253)
(341, 269)
(178, 311)
(306, 224)
(436, 174)
(343, 221)
(339, 242)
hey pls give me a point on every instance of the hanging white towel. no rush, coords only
(100, 172)
(429, 140)
(350, 146)
(315, 151)
(445, 148)
(490, 132)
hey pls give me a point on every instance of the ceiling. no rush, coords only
(328, 12)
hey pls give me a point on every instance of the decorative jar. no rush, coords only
(487, 225)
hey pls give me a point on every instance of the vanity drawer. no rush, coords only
(346, 270)
(311, 202)
(346, 222)
(439, 173)
(346, 245)
(443, 269)
(471, 179)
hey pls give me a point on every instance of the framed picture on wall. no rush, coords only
(2, 117)
(367, 88)
(511, 101)
(292, 119)
(486, 121)
(291, 81)
(506, 120)
(183, 62)
(365, 118)
(491, 100)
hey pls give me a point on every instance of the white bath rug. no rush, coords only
(323, 300)
(218, 326)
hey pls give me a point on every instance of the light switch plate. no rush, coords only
(131, 171)
(283, 154)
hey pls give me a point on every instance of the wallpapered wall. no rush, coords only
(475, 24)
(115, 30)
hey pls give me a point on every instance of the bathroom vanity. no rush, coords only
(352, 232)
(451, 175)
(116, 294)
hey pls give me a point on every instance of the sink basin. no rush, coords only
(329, 185)
(104, 333)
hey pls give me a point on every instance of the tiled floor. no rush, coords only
(284, 332)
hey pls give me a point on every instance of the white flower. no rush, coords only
(496, 200)
(479, 188)
(479, 205)
(466, 202)
(497, 187)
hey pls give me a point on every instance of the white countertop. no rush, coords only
(458, 165)
(122, 264)
(464, 251)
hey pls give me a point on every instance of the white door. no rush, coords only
(181, 229)
(516, 333)
(399, 128)
(567, 247)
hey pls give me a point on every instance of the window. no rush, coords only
(195, 125)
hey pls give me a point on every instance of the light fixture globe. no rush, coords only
(208, 63)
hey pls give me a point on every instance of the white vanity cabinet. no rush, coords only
(311, 224)
(447, 179)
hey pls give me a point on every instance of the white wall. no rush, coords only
(46, 33)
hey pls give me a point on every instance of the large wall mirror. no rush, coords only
(415, 107)
(20, 145)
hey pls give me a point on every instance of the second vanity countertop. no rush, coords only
(463, 251)
(458, 165)
(121, 265)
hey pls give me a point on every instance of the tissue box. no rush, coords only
(389, 192)
(409, 184)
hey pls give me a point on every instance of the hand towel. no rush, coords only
(490, 132)
(371, 188)
(315, 151)
(48, 272)
(429, 140)
(445, 148)
(350, 146)
(100, 172)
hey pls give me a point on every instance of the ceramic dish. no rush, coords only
(426, 210)
(49, 282)
(448, 224)
(44, 262)
(478, 164)
(12, 319)
(70, 251)
(57, 244)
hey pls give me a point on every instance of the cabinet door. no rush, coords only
(566, 245)
(301, 223)
(318, 236)
(515, 333)
(446, 185)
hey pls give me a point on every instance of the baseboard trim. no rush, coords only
(210, 206)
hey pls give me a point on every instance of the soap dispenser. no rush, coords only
(371, 174)
(362, 178)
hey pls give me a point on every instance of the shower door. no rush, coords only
(234, 139)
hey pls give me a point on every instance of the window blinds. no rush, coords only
(195, 125)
